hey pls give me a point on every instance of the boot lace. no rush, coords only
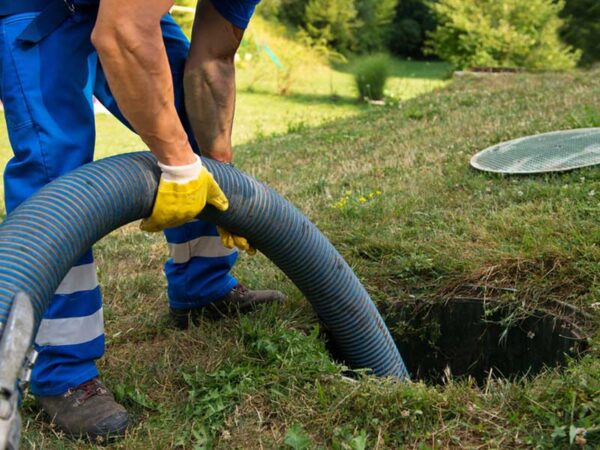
(89, 389)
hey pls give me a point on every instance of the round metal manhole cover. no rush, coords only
(549, 152)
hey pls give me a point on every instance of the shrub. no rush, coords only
(370, 74)
(582, 28)
(501, 33)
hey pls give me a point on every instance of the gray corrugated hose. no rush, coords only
(46, 235)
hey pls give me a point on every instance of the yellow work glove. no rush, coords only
(183, 191)
(231, 240)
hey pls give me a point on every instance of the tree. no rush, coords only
(501, 33)
(413, 20)
(582, 28)
(375, 20)
(331, 21)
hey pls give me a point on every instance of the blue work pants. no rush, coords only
(47, 91)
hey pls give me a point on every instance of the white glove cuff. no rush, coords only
(181, 174)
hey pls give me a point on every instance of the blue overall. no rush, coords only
(46, 87)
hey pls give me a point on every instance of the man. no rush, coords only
(54, 55)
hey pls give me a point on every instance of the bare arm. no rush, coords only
(209, 81)
(129, 42)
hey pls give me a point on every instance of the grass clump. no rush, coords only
(371, 74)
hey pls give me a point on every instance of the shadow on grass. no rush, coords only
(307, 99)
(412, 109)
(424, 70)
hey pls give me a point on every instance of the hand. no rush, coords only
(230, 240)
(183, 192)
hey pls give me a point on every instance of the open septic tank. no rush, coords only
(460, 338)
(472, 338)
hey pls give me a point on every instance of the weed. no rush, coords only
(349, 199)
(586, 116)
(297, 439)
(214, 395)
(296, 126)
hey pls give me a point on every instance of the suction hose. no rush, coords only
(42, 239)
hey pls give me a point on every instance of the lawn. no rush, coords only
(431, 224)
(318, 94)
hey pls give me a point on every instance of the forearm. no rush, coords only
(134, 59)
(210, 104)
(209, 81)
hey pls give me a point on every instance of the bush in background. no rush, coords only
(370, 75)
(346, 26)
(375, 20)
(582, 28)
(501, 33)
(331, 21)
(483, 33)
(413, 20)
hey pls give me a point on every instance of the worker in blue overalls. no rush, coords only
(54, 56)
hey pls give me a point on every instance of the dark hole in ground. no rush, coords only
(458, 335)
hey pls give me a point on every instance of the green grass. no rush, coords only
(428, 224)
(318, 95)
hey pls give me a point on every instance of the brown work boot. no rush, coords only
(87, 410)
(239, 300)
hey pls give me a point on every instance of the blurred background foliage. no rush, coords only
(501, 34)
(535, 35)
(582, 28)
(405, 27)
(402, 27)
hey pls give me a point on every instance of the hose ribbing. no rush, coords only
(42, 239)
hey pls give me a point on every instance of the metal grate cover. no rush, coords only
(549, 152)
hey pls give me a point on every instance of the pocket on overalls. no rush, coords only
(12, 91)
